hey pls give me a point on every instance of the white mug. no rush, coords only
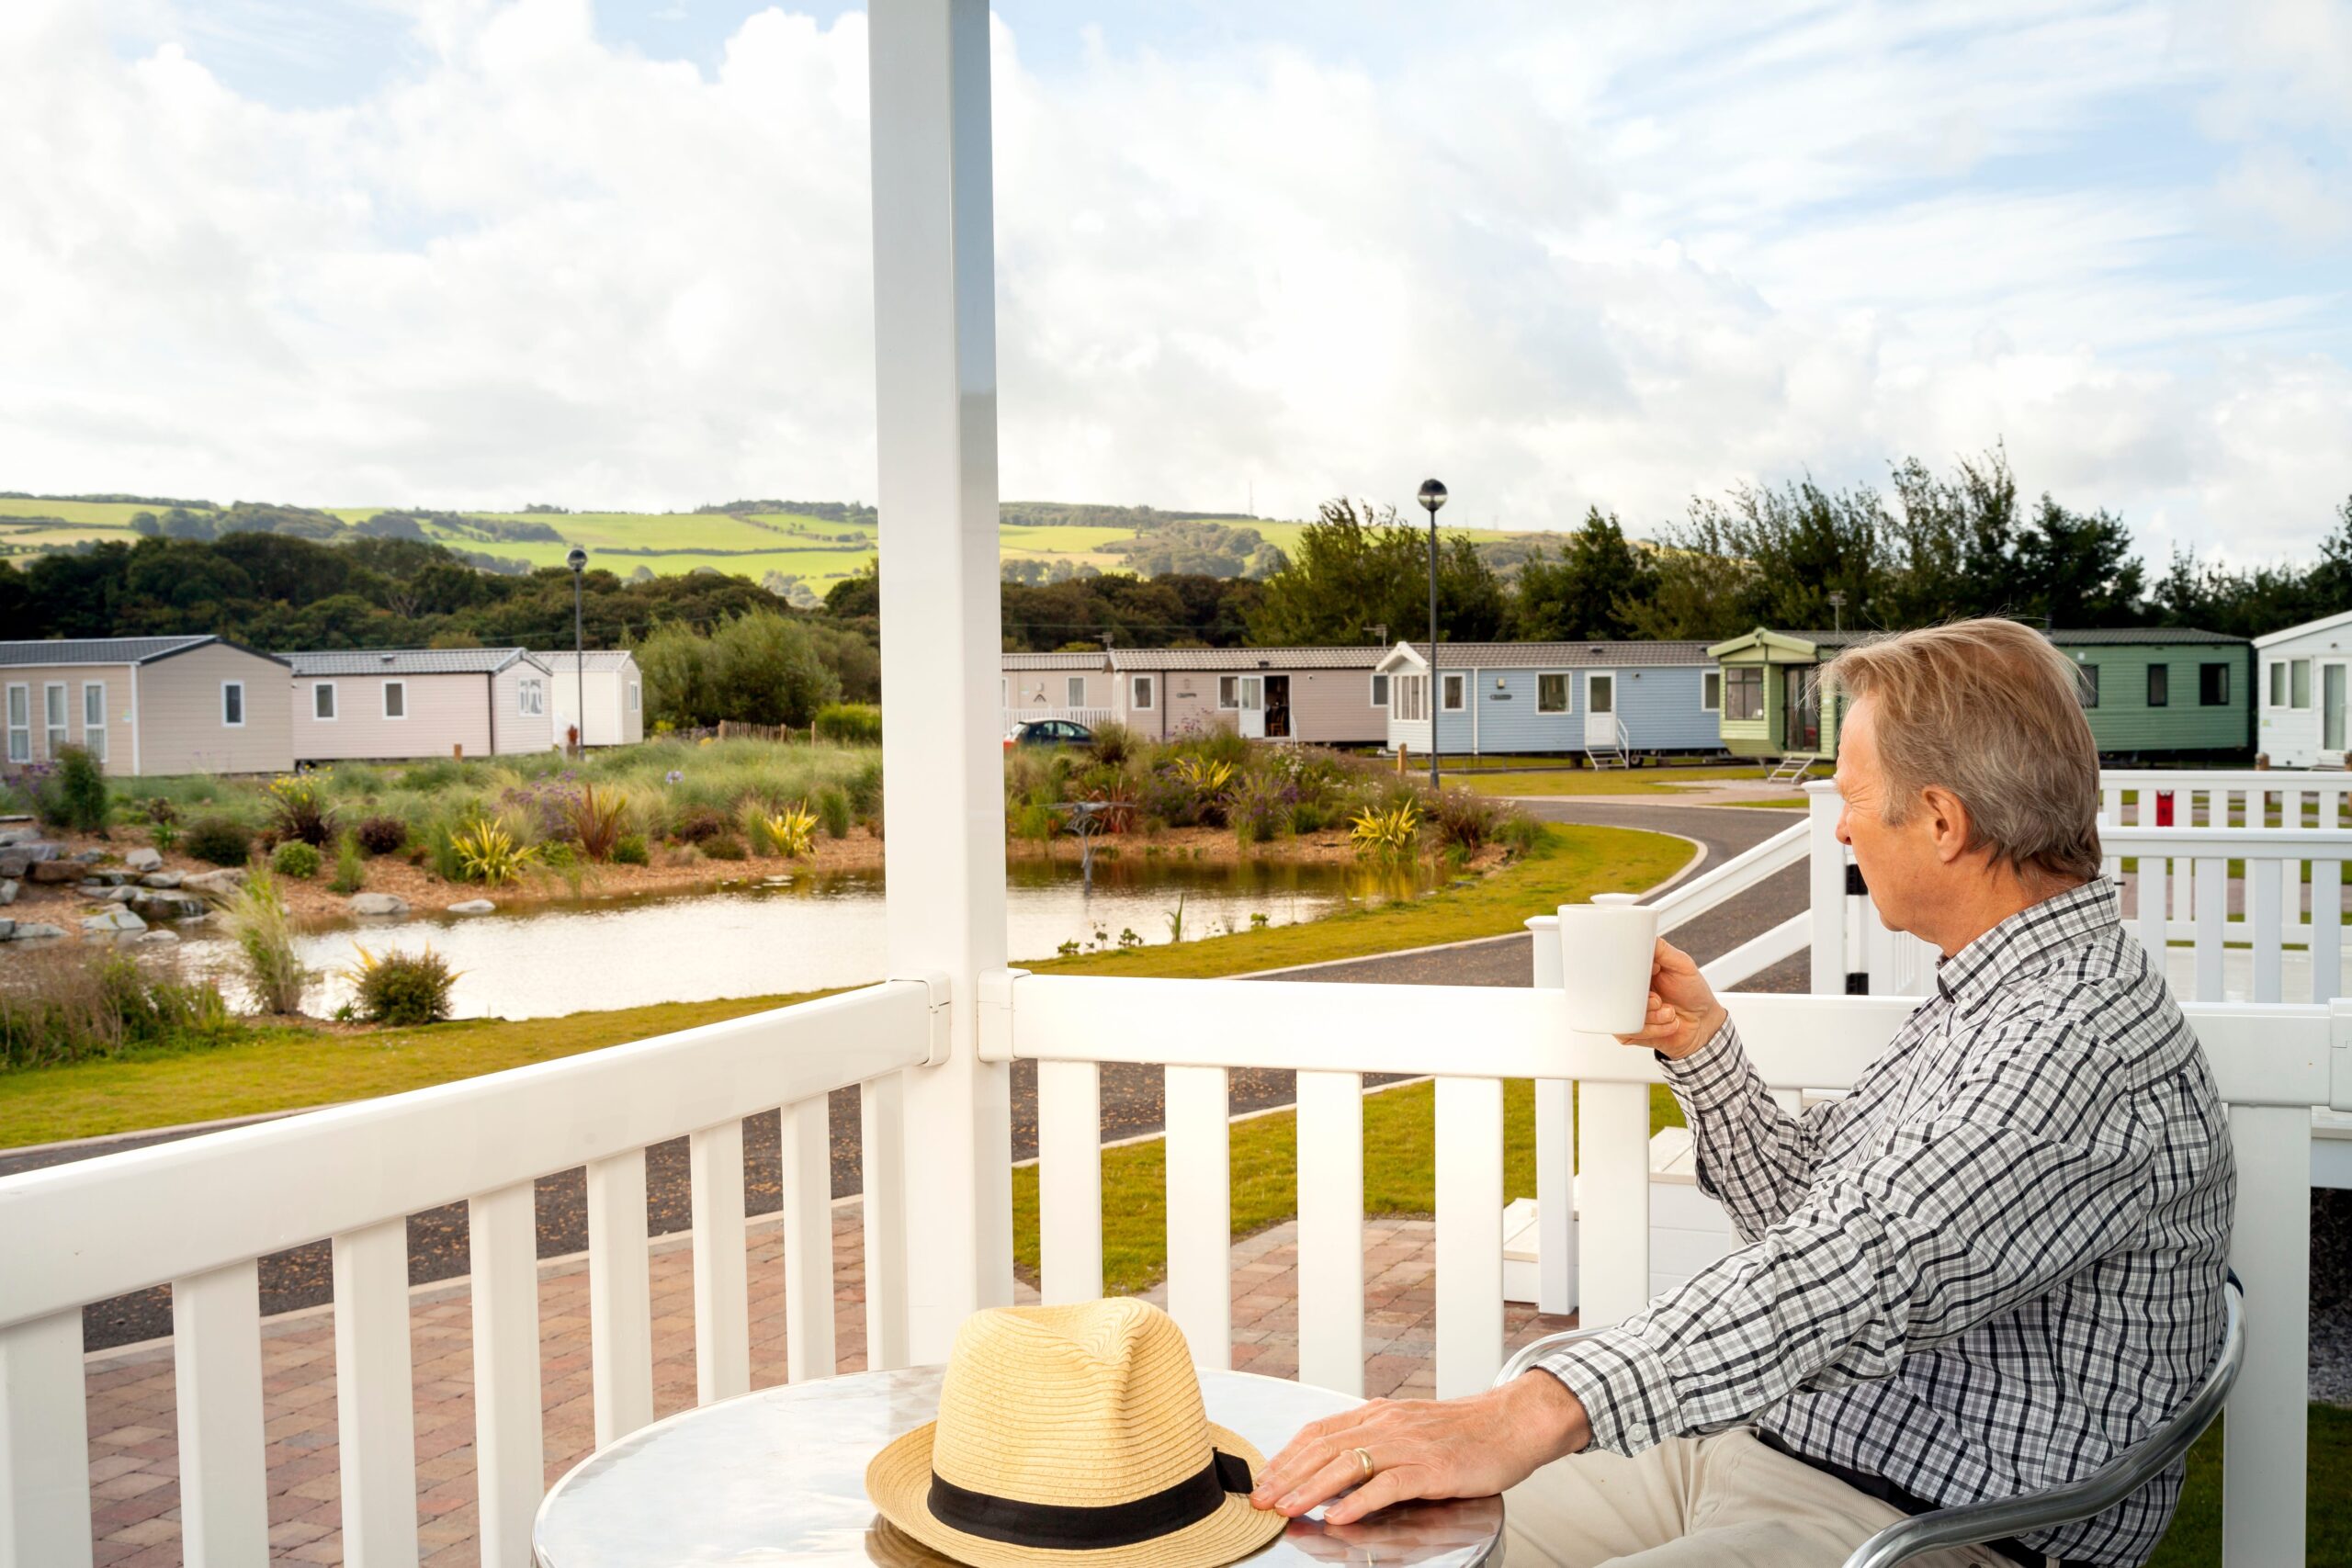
(1606, 949)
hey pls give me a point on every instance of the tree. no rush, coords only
(1951, 542)
(1594, 589)
(2078, 570)
(1357, 569)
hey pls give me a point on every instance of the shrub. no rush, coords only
(1259, 808)
(296, 860)
(1463, 820)
(697, 824)
(1114, 743)
(866, 788)
(1116, 797)
(791, 832)
(850, 724)
(596, 820)
(73, 1003)
(298, 811)
(724, 845)
(383, 835)
(221, 840)
(75, 793)
(1036, 820)
(264, 932)
(832, 809)
(430, 778)
(1519, 833)
(350, 866)
(441, 852)
(487, 852)
(162, 821)
(1388, 832)
(630, 849)
(402, 989)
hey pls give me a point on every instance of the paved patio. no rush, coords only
(134, 1453)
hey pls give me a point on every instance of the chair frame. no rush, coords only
(2002, 1518)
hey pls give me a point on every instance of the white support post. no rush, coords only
(1330, 1230)
(1469, 1233)
(2327, 930)
(375, 1396)
(224, 1482)
(1200, 1212)
(1613, 1201)
(934, 301)
(2153, 914)
(510, 1452)
(2263, 1446)
(2263, 915)
(2212, 878)
(722, 1267)
(44, 1445)
(1070, 1182)
(1555, 1154)
(882, 1128)
(1828, 883)
(808, 1241)
(620, 1306)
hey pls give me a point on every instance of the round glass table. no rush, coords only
(778, 1477)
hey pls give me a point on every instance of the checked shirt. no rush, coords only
(1989, 1269)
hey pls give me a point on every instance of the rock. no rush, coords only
(160, 936)
(176, 906)
(160, 879)
(473, 907)
(114, 920)
(8, 892)
(33, 931)
(119, 895)
(144, 860)
(91, 857)
(105, 878)
(14, 865)
(219, 884)
(5, 928)
(18, 858)
(11, 837)
(39, 850)
(56, 871)
(378, 904)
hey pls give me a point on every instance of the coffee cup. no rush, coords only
(1606, 951)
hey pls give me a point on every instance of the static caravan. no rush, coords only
(1076, 686)
(612, 686)
(152, 705)
(401, 704)
(1618, 699)
(2302, 697)
(1325, 696)
(1772, 698)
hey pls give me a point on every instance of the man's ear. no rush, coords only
(1947, 817)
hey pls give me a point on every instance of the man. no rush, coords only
(1989, 1269)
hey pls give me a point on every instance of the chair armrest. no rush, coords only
(1972, 1524)
(1527, 1355)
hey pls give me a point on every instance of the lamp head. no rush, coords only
(1432, 495)
(577, 560)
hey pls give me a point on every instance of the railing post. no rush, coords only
(44, 1445)
(1828, 886)
(935, 405)
(1555, 1154)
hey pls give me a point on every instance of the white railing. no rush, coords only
(1094, 718)
(2272, 1065)
(197, 1214)
(2225, 797)
(1743, 872)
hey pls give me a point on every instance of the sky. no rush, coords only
(616, 254)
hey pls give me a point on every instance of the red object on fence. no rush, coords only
(2164, 809)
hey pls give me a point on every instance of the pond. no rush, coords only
(802, 933)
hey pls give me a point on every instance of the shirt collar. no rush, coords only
(2063, 919)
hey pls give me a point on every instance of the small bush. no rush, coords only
(264, 930)
(832, 810)
(1114, 743)
(699, 824)
(1036, 820)
(1519, 833)
(1463, 820)
(75, 1003)
(383, 835)
(350, 866)
(75, 794)
(596, 820)
(441, 852)
(866, 788)
(791, 832)
(162, 821)
(630, 849)
(295, 859)
(402, 989)
(298, 811)
(221, 840)
(850, 724)
(487, 852)
(724, 845)
(427, 778)
(1388, 832)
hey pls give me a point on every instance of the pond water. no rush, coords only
(808, 932)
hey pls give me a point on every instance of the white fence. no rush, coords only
(1094, 718)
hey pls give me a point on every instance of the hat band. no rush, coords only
(1057, 1525)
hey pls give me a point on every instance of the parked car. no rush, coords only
(1048, 732)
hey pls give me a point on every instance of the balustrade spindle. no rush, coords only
(620, 1309)
(1613, 1217)
(1330, 1230)
(1070, 1182)
(2212, 877)
(1469, 1233)
(509, 1454)
(44, 1445)
(2262, 884)
(882, 1126)
(808, 1162)
(2264, 1457)
(216, 1357)
(1555, 1159)
(722, 1271)
(374, 1400)
(1200, 1212)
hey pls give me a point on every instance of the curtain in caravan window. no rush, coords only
(20, 724)
(94, 718)
(53, 709)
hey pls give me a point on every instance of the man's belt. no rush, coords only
(1894, 1496)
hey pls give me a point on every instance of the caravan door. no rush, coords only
(1251, 715)
(1600, 708)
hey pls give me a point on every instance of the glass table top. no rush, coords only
(778, 1477)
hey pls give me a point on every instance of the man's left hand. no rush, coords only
(1473, 1447)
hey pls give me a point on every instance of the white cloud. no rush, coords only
(1617, 259)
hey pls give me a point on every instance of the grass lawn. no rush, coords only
(2195, 1538)
(286, 1068)
(1778, 803)
(1587, 781)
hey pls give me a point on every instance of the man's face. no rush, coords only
(1898, 863)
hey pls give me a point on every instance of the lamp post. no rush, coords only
(1433, 497)
(1837, 609)
(578, 561)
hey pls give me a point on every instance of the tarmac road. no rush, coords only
(1131, 1094)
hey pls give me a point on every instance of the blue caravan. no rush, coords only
(1615, 701)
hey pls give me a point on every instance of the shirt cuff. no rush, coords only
(1626, 1390)
(1713, 1076)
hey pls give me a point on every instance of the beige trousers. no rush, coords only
(1714, 1501)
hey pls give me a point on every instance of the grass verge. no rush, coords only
(286, 1068)
(1585, 781)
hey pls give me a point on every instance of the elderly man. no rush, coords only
(1991, 1268)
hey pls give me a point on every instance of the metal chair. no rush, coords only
(1973, 1524)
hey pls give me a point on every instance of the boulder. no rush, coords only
(473, 907)
(33, 931)
(8, 892)
(378, 904)
(106, 879)
(160, 879)
(13, 863)
(144, 860)
(5, 928)
(219, 884)
(91, 857)
(18, 834)
(56, 871)
(160, 936)
(119, 895)
(174, 907)
(114, 920)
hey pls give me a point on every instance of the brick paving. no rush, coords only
(134, 1463)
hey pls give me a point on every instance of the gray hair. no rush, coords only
(1990, 711)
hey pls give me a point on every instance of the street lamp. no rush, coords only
(578, 561)
(1837, 610)
(1433, 497)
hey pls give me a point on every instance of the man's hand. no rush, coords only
(1473, 1447)
(1683, 1012)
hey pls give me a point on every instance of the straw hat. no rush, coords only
(1073, 1434)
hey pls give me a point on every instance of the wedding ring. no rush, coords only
(1364, 1458)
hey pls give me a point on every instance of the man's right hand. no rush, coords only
(1683, 1012)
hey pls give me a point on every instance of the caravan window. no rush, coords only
(1552, 692)
(1744, 692)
